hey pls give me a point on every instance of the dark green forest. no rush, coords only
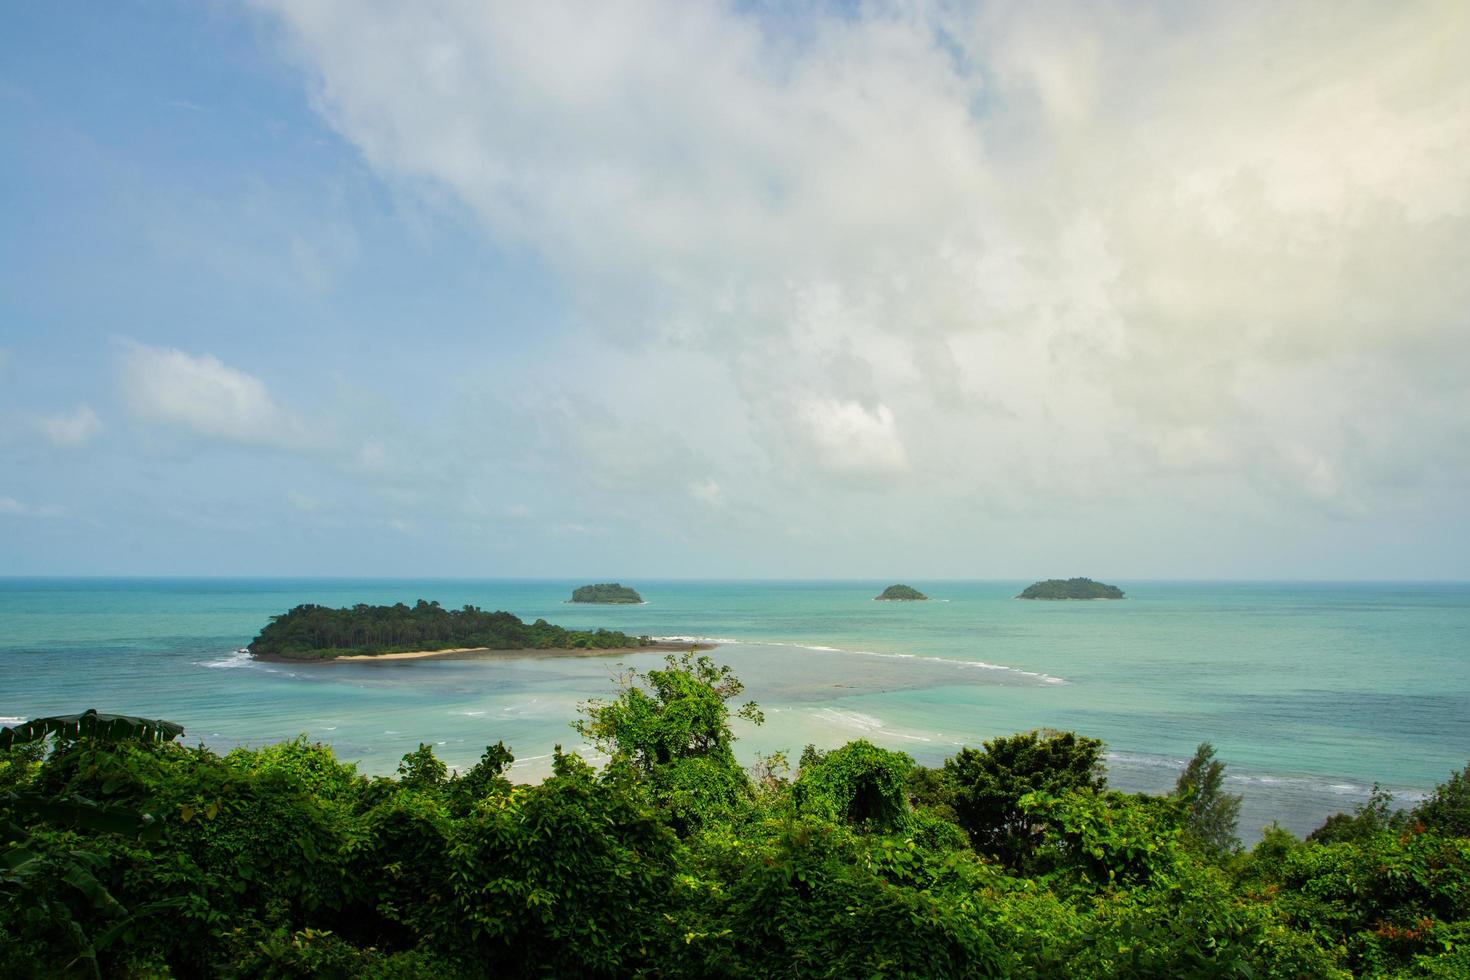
(607, 593)
(1070, 588)
(311, 632)
(124, 853)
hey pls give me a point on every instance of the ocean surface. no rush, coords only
(1310, 693)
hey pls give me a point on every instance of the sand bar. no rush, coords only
(485, 653)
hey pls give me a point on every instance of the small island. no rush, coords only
(608, 594)
(310, 632)
(900, 593)
(1071, 588)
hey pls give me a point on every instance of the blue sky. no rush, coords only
(993, 290)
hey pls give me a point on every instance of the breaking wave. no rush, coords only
(238, 658)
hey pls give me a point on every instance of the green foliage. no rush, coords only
(932, 790)
(569, 878)
(811, 899)
(1385, 899)
(901, 593)
(89, 724)
(1186, 923)
(485, 780)
(19, 763)
(420, 769)
(1099, 839)
(1071, 588)
(1368, 819)
(606, 593)
(256, 951)
(858, 784)
(138, 857)
(310, 632)
(1212, 813)
(1447, 810)
(989, 785)
(671, 727)
(681, 715)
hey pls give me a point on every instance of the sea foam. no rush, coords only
(1038, 676)
(239, 658)
(864, 723)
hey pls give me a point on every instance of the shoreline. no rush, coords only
(486, 653)
(1072, 598)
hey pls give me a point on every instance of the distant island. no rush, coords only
(900, 593)
(1071, 588)
(310, 632)
(607, 593)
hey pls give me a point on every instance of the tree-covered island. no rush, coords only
(607, 593)
(900, 593)
(1070, 588)
(311, 632)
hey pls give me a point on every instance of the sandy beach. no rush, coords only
(485, 653)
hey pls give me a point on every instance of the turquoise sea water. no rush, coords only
(1309, 692)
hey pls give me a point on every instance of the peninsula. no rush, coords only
(900, 593)
(608, 594)
(1071, 588)
(310, 632)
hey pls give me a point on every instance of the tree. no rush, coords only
(858, 784)
(681, 715)
(1447, 810)
(484, 779)
(676, 735)
(988, 785)
(1374, 815)
(421, 769)
(1211, 813)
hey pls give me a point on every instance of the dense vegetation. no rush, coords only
(321, 633)
(607, 593)
(901, 593)
(126, 854)
(1070, 588)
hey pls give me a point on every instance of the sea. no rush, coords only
(1310, 692)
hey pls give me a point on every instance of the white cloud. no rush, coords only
(848, 438)
(71, 429)
(1074, 247)
(200, 395)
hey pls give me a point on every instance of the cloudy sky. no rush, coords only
(664, 289)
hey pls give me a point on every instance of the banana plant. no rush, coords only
(91, 724)
(42, 875)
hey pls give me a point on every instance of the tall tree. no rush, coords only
(1212, 813)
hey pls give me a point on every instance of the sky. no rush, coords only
(667, 289)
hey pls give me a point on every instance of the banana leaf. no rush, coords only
(90, 724)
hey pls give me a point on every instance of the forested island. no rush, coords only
(900, 593)
(1070, 588)
(607, 593)
(310, 632)
(128, 854)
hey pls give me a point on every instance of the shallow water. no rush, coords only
(1309, 692)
